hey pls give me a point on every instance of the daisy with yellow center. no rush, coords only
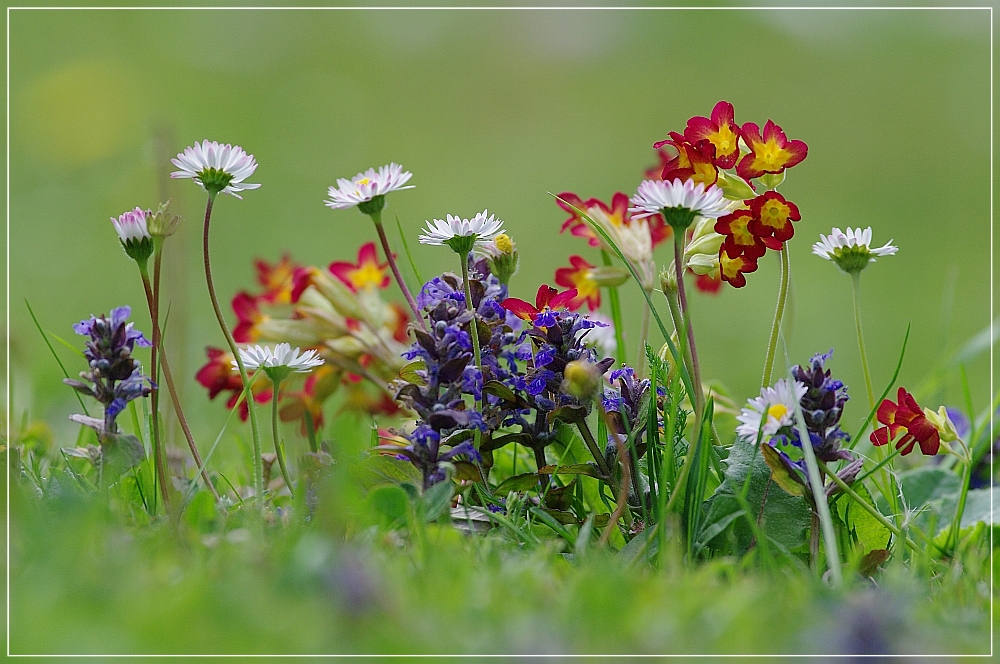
(770, 412)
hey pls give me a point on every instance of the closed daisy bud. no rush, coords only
(668, 279)
(502, 257)
(134, 234)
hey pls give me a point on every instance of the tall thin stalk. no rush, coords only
(473, 325)
(698, 396)
(258, 468)
(856, 279)
(779, 313)
(376, 216)
(154, 395)
(274, 435)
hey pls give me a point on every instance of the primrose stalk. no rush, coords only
(376, 216)
(616, 314)
(258, 468)
(779, 312)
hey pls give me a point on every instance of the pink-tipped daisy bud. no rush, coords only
(581, 379)
(161, 223)
(502, 257)
(134, 235)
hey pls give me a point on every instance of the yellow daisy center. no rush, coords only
(777, 411)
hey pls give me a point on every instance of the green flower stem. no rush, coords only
(387, 250)
(258, 468)
(154, 395)
(779, 313)
(868, 507)
(616, 314)
(699, 396)
(956, 525)
(274, 434)
(675, 315)
(856, 278)
(473, 325)
(168, 378)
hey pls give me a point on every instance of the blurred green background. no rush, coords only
(492, 109)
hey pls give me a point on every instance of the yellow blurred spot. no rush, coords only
(79, 113)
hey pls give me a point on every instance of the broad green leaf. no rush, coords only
(518, 483)
(436, 500)
(121, 452)
(871, 534)
(780, 473)
(927, 483)
(571, 469)
(785, 519)
(390, 502)
(380, 469)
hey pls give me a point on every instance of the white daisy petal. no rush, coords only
(652, 196)
(131, 226)
(484, 227)
(365, 186)
(262, 357)
(852, 250)
(775, 407)
(232, 160)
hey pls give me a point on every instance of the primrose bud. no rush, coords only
(581, 379)
(609, 276)
(733, 188)
(940, 421)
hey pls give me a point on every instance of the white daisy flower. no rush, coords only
(632, 237)
(686, 198)
(776, 404)
(131, 226)
(363, 187)
(216, 167)
(462, 234)
(851, 251)
(283, 357)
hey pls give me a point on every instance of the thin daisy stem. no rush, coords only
(856, 278)
(387, 250)
(616, 314)
(274, 434)
(154, 307)
(779, 313)
(698, 396)
(154, 395)
(258, 467)
(473, 325)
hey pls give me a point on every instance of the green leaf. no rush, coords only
(436, 500)
(379, 469)
(391, 503)
(871, 534)
(572, 469)
(780, 473)
(499, 390)
(409, 372)
(121, 452)
(785, 519)
(518, 483)
(927, 483)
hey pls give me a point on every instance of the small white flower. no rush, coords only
(216, 167)
(261, 357)
(854, 237)
(365, 186)
(602, 337)
(484, 228)
(655, 196)
(776, 404)
(131, 226)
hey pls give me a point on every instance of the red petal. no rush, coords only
(886, 412)
(879, 436)
(562, 299)
(543, 296)
(367, 254)
(520, 308)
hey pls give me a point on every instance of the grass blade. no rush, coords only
(52, 350)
